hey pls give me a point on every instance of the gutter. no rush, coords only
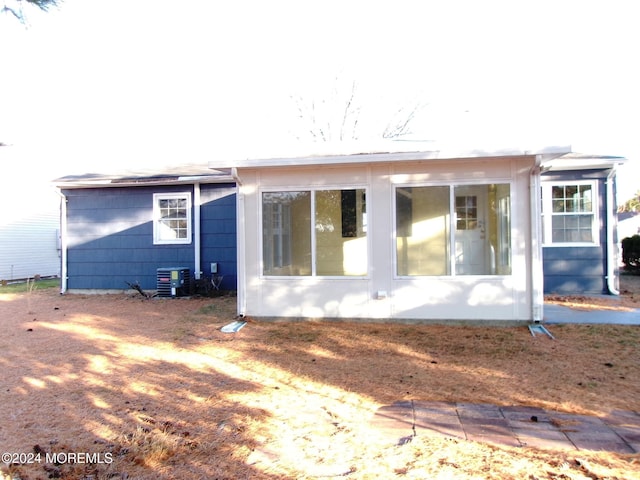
(537, 275)
(240, 246)
(63, 242)
(196, 231)
(611, 244)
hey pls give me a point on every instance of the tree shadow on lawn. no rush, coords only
(140, 405)
(582, 371)
(156, 385)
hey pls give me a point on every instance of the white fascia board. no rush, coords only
(386, 157)
(107, 183)
(583, 162)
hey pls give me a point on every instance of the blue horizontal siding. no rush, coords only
(218, 230)
(571, 270)
(568, 285)
(110, 236)
(578, 270)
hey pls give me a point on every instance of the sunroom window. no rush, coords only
(314, 233)
(569, 215)
(172, 218)
(447, 230)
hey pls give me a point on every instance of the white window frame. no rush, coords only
(312, 190)
(547, 213)
(452, 226)
(157, 231)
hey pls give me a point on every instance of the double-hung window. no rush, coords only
(569, 213)
(172, 218)
(321, 232)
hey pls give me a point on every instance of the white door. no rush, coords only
(471, 230)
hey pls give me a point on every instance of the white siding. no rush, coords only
(29, 226)
(497, 297)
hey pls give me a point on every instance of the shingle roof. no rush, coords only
(176, 174)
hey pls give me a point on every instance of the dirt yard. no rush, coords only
(122, 387)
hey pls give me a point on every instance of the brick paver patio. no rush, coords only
(514, 426)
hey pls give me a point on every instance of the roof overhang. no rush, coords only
(388, 157)
(69, 183)
(579, 161)
(178, 175)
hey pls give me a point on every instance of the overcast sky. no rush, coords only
(96, 84)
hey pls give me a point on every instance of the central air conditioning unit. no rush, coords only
(174, 282)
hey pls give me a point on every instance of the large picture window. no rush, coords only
(447, 230)
(172, 218)
(569, 215)
(314, 233)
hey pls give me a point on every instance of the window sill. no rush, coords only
(564, 245)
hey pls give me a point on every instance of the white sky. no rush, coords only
(98, 84)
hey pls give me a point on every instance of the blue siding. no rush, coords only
(110, 236)
(218, 229)
(574, 270)
(577, 270)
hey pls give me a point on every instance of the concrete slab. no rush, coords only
(508, 440)
(394, 421)
(525, 414)
(549, 442)
(559, 314)
(451, 430)
(469, 410)
(513, 426)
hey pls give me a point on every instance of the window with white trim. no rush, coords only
(171, 218)
(447, 230)
(320, 232)
(569, 213)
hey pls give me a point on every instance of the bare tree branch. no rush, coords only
(18, 11)
(338, 117)
(347, 108)
(400, 127)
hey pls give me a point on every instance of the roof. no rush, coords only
(220, 171)
(581, 161)
(162, 175)
(391, 152)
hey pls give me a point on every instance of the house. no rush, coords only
(30, 224)
(400, 236)
(579, 224)
(124, 227)
(428, 235)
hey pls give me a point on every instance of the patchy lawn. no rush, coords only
(629, 298)
(152, 389)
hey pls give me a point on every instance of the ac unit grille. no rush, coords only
(173, 282)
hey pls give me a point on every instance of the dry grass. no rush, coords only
(157, 386)
(628, 300)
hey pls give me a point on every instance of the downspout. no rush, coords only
(196, 230)
(240, 245)
(537, 275)
(63, 242)
(611, 240)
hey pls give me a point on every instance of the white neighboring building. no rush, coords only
(628, 224)
(29, 220)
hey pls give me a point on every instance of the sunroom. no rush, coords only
(408, 236)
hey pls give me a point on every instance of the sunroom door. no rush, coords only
(471, 241)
